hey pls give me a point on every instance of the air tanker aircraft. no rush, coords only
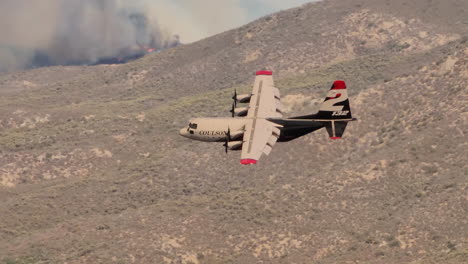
(256, 128)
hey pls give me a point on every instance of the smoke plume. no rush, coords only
(64, 32)
(36, 33)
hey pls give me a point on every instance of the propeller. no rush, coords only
(233, 109)
(235, 95)
(234, 104)
(228, 139)
(228, 135)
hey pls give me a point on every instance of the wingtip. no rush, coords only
(264, 73)
(248, 161)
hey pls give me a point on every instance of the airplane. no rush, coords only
(254, 129)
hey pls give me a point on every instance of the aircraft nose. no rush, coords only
(183, 132)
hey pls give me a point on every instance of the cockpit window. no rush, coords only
(193, 125)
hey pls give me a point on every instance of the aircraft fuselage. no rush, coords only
(213, 129)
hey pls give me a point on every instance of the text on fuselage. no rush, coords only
(213, 133)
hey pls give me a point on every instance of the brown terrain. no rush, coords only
(92, 169)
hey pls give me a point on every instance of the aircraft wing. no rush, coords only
(259, 138)
(260, 134)
(265, 100)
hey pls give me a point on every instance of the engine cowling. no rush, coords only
(237, 134)
(241, 111)
(243, 98)
(235, 145)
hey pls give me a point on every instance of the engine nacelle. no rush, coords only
(243, 98)
(241, 111)
(235, 145)
(237, 134)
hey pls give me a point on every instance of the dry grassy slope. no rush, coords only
(96, 173)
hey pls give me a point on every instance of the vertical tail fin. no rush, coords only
(335, 112)
(336, 104)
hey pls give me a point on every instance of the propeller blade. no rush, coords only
(228, 139)
(235, 98)
(233, 110)
(228, 135)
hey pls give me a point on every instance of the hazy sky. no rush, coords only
(196, 19)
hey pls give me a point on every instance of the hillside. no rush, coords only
(92, 169)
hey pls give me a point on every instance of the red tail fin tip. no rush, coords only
(339, 85)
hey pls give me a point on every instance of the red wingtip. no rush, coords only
(339, 85)
(248, 161)
(335, 138)
(264, 73)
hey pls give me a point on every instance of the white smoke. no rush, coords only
(51, 32)
(75, 31)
